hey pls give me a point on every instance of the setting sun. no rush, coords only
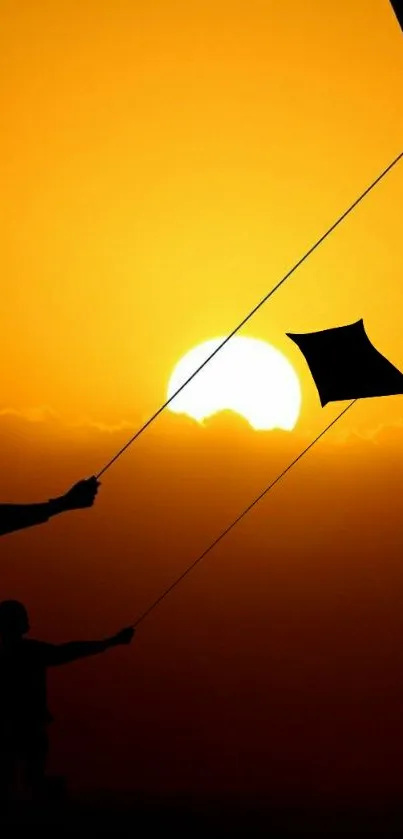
(247, 376)
(174, 171)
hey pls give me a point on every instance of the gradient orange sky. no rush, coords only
(165, 163)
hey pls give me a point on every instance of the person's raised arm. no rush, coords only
(57, 654)
(19, 516)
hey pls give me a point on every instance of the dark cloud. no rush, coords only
(277, 662)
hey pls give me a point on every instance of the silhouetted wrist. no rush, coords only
(56, 506)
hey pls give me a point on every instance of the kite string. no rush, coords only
(238, 519)
(251, 313)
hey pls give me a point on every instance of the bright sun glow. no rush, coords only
(247, 376)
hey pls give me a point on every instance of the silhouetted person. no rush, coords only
(18, 516)
(24, 713)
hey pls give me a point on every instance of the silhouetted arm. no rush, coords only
(19, 516)
(57, 654)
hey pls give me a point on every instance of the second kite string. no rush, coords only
(247, 509)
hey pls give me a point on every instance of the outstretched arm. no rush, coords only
(57, 654)
(19, 516)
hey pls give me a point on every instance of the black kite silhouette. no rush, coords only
(344, 364)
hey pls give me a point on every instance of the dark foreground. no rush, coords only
(131, 814)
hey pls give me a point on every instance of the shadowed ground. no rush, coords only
(129, 814)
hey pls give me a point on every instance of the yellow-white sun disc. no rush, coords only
(247, 376)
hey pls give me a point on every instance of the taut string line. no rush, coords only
(253, 311)
(238, 519)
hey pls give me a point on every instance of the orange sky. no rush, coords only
(164, 164)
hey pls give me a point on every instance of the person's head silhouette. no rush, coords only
(14, 622)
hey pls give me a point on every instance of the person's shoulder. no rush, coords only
(36, 648)
(33, 643)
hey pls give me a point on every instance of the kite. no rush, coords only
(344, 364)
(396, 6)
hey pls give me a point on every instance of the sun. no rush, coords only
(247, 376)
